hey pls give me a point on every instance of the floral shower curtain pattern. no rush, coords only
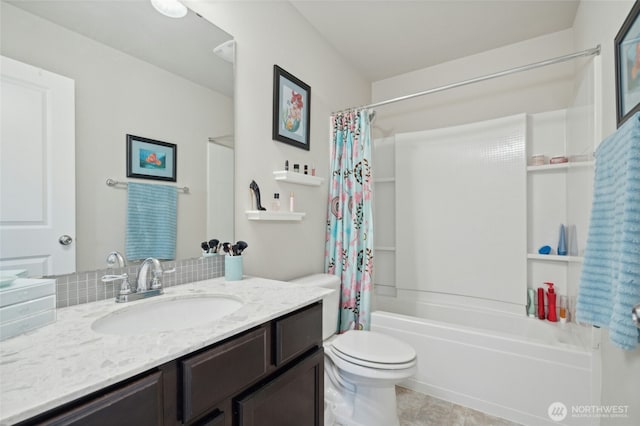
(349, 242)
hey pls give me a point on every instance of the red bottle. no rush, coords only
(540, 303)
(551, 297)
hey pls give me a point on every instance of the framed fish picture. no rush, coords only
(151, 159)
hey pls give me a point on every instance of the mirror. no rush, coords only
(136, 72)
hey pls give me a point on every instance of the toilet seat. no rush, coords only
(374, 350)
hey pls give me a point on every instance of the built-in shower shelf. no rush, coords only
(384, 180)
(555, 258)
(384, 248)
(561, 166)
(297, 178)
(274, 216)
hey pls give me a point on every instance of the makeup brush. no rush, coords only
(226, 247)
(241, 246)
(213, 245)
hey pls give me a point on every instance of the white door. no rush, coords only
(37, 170)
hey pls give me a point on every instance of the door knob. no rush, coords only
(65, 240)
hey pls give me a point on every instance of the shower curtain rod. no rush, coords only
(587, 52)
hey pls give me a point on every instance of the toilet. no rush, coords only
(361, 368)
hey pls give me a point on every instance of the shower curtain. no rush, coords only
(349, 242)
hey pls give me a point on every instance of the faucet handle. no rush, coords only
(155, 282)
(109, 278)
(125, 288)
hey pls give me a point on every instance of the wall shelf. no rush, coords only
(384, 180)
(384, 248)
(297, 178)
(554, 258)
(274, 216)
(561, 166)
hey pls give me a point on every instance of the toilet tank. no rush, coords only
(330, 302)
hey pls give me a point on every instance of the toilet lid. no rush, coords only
(373, 347)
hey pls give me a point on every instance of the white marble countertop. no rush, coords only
(66, 360)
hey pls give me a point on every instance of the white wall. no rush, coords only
(117, 94)
(269, 33)
(544, 89)
(597, 22)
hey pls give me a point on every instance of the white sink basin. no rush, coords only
(166, 315)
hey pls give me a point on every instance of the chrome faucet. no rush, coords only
(146, 285)
(142, 281)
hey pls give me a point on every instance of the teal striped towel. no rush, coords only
(610, 281)
(151, 221)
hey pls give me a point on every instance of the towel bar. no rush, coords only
(113, 182)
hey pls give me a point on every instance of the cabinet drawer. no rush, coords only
(222, 371)
(138, 403)
(297, 333)
(294, 398)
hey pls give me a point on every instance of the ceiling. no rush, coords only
(382, 39)
(181, 46)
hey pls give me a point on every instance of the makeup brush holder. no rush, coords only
(233, 268)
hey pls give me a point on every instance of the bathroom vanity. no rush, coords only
(262, 364)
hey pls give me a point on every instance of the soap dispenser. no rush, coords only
(551, 297)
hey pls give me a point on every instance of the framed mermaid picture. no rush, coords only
(291, 109)
(151, 159)
(627, 60)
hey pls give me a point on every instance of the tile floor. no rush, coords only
(417, 409)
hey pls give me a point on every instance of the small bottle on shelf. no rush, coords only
(563, 308)
(275, 204)
(291, 203)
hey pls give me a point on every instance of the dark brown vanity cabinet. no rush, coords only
(138, 402)
(293, 398)
(271, 375)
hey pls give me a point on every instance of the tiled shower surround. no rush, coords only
(84, 287)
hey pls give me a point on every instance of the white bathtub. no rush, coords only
(504, 364)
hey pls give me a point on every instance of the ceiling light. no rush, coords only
(170, 8)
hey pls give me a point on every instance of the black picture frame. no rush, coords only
(627, 61)
(151, 159)
(291, 109)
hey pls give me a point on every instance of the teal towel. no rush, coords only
(151, 221)
(610, 281)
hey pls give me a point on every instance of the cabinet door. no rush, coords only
(223, 371)
(297, 333)
(215, 419)
(294, 398)
(137, 404)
